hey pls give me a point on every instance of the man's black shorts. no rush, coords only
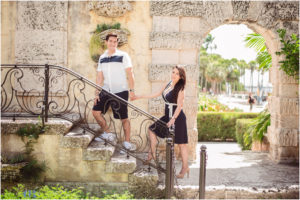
(119, 108)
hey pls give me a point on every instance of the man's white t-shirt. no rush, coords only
(113, 69)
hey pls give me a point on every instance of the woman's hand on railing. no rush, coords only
(136, 98)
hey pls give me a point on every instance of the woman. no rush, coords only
(173, 93)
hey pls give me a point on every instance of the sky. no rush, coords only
(230, 44)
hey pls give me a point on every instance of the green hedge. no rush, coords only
(240, 130)
(219, 125)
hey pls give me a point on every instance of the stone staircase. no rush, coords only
(99, 155)
(74, 158)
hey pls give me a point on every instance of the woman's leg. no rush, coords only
(184, 156)
(153, 142)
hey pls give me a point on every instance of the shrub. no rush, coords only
(219, 125)
(240, 131)
(57, 192)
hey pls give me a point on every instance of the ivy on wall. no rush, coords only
(290, 49)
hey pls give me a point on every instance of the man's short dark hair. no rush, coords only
(111, 35)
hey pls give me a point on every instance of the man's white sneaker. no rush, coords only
(129, 146)
(107, 136)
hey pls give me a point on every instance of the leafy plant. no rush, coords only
(33, 169)
(290, 65)
(57, 192)
(258, 128)
(240, 132)
(103, 27)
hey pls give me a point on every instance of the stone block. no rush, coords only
(98, 151)
(162, 72)
(273, 12)
(109, 8)
(283, 78)
(288, 90)
(76, 139)
(283, 136)
(165, 56)
(44, 47)
(46, 16)
(143, 184)
(284, 154)
(192, 24)
(240, 9)
(284, 106)
(188, 57)
(165, 24)
(176, 40)
(120, 165)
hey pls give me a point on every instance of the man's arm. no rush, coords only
(130, 78)
(99, 80)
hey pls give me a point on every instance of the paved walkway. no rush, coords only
(239, 103)
(228, 166)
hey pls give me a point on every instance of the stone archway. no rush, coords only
(178, 31)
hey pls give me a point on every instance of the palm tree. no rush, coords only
(207, 44)
(243, 66)
(252, 65)
(215, 71)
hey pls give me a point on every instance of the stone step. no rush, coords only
(76, 138)
(98, 151)
(121, 164)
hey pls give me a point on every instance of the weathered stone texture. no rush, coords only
(165, 57)
(284, 106)
(284, 137)
(47, 22)
(162, 72)
(240, 9)
(121, 165)
(193, 24)
(165, 24)
(216, 12)
(109, 8)
(272, 12)
(176, 40)
(47, 16)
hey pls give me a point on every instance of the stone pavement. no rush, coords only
(239, 103)
(229, 167)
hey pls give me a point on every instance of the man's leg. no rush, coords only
(100, 120)
(126, 128)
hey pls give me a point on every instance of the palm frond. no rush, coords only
(256, 41)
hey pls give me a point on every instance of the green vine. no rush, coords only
(290, 65)
(33, 169)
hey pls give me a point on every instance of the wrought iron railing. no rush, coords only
(52, 91)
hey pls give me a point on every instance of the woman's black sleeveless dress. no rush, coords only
(180, 123)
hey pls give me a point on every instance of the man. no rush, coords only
(251, 101)
(113, 66)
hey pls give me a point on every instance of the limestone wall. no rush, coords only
(163, 34)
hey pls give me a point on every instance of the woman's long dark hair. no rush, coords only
(180, 84)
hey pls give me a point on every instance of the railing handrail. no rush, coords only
(89, 82)
(45, 108)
